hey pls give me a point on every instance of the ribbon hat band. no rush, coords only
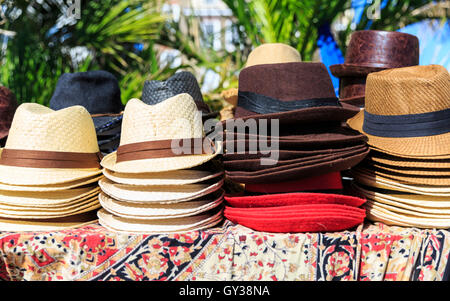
(165, 149)
(49, 159)
(262, 104)
(411, 125)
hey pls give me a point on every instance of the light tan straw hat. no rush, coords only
(49, 147)
(181, 224)
(407, 112)
(158, 194)
(158, 211)
(268, 53)
(162, 137)
(54, 187)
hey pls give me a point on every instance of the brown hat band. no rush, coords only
(165, 149)
(49, 159)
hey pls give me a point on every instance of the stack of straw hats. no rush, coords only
(372, 51)
(49, 170)
(8, 106)
(406, 177)
(98, 91)
(314, 145)
(163, 177)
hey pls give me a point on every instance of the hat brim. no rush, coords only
(105, 123)
(428, 147)
(308, 115)
(158, 211)
(158, 194)
(160, 226)
(357, 101)
(55, 187)
(406, 171)
(351, 70)
(296, 171)
(159, 164)
(296, 198)
(402, 162)
(175, 177)
(54, 224)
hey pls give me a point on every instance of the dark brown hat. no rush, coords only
(8, 106)
(296, 92)
(371, 51)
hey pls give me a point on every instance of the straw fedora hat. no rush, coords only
(49, 147)
(149, 131)
(407, 112)
(402, 162)
(157, 194)
(55, 187)
(180, 224)
(158, 211)
(268, 53)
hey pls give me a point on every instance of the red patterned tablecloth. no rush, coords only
(230, 252)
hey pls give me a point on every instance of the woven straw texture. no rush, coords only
(158, 211)
(409, 90)
(157, 194)
(174, 118)
(36, 127)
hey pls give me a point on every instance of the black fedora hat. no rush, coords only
(98, 91)
(155, 91)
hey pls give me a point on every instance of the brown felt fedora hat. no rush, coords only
(8, 106)
(407, 112)
(299, 92)
(371, 51)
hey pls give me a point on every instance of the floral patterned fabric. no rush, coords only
(230, 252)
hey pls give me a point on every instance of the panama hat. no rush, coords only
(55, 224)
(158, 193)
(49, 147)
(408, 171)
(402, 162)
(371, 51)
(155, 91)
(98, 91)
(407, 112)
(267, 53)
(158, 211)
(291, 92)
(148, 132)
(171, 225)
(194, 175)
(8, 106)
(55, 187)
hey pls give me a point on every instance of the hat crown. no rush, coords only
(36, 127)
(98, 91)
(174, 118)
(155, 91)
(384, 49)
(273, 53)
(408, 90)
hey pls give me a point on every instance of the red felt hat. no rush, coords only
(308, 210)
(329, 181)
(287, 199)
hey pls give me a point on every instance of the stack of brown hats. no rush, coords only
(49, 170)
(8, 106)
(406, 177)
(372, 51)
(162, 178)
(314, 143)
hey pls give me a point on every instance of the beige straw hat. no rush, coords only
(407, 112)
(407, 170)
(157, 193)
(49, 147)
(158, 211)
(175, 177)
(54, 187)
(440, 213)
(408, 162)
(150, 131)
(268, 53)
(178, 225)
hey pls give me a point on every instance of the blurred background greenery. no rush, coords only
(131, 38)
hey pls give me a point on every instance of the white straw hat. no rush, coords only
(49, 147)
(178, 225)
(158, 211)
(157, 194)
(175, 177)
(151, 134)
(415, 212)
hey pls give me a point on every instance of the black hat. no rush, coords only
(155, 91)
(98, 91)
